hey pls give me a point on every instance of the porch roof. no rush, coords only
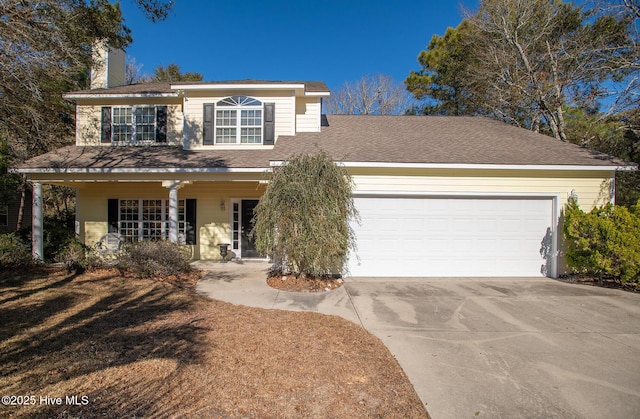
(143, 158)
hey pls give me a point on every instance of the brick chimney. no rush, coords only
(108, 66)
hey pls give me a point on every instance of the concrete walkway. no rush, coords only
(245, 284)
(482, 347)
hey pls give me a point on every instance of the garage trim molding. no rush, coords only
(555, 211)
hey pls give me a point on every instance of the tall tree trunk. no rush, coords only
(562, 135)
(558, 120)
(23, 194)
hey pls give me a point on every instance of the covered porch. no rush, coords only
(200, 215)
(197, 199)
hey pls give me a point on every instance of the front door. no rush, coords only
(248, 249)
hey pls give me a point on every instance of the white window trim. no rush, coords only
(134, 125)
(238, 126)
(164, 221)
(235, 245)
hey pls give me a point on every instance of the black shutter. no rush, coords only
(269, 123)
(161, 124)
(112, 216)
(105, 137)
(190, 221)
(207, 124)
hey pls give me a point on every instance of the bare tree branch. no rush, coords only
(370, 95)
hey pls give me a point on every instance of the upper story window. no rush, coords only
(238, 120)
(134, 124)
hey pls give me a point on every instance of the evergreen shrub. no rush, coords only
(605, 242)
(14, 252)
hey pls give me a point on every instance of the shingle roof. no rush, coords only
(146, 157)
(139, 88)
(436, 139)
(353, 138)
(159, 88)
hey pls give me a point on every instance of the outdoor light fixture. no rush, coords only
(573, 195)
(222, 206)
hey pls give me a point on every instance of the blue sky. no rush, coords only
(323, 40)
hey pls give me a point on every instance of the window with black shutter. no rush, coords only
(238, 120)
(105, 136)
(134, 124)
(148, 219)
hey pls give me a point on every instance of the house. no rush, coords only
(437, 196)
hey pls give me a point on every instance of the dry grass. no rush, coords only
(144, 348)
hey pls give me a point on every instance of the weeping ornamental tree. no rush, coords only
(302, 220)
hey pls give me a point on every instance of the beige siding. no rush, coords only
(291, 115)
(284, 115)
(88, 120)
(88, 125)
(212, 222)
(592, 188)
(308, 114)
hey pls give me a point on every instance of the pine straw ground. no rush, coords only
(143, 348)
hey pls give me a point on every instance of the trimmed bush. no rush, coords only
(148, 259)
(302, 220)
(78, 258)
(605, 242)
(14, 252)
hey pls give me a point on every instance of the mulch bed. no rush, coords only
(604, 283)
(299, 284)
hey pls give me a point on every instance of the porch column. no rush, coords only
(173, 214)
(173, 187)
(37, 223)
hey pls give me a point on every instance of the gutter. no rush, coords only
(118, 95)
(90, 170)
(608, 168)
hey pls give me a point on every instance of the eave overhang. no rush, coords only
(450, 166)
(299, 88)
(141, 170)
(119, 95)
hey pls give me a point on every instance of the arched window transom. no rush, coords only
(239, 120)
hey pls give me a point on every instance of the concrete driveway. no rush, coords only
(478, 347)
(508, 348)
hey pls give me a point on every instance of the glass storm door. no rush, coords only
(248, 248)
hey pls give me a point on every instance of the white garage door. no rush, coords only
(451, 236)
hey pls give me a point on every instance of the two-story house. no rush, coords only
(437, 196)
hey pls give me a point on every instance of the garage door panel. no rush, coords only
(450, 236)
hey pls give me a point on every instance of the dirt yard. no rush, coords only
(99, 345)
